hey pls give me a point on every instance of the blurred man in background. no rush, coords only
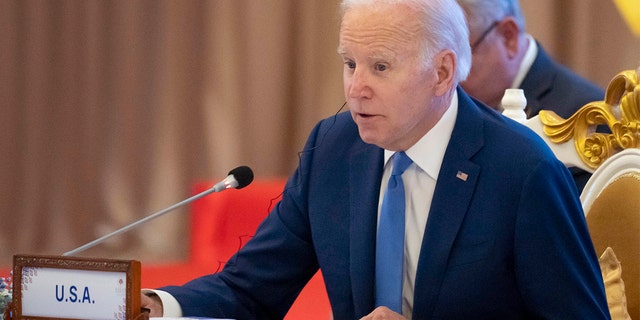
(506, 56)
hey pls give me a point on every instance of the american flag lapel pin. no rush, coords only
(462, 176)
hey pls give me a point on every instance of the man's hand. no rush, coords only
(383, 313)
(152, 302)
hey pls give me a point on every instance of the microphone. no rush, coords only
(238, 178)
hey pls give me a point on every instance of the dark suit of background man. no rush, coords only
(506, 56)
(474, 247)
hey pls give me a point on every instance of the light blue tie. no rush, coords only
(390, 241)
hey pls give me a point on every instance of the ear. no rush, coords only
(510, 34)
(445, 67)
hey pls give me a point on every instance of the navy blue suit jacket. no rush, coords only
(489, 251)
(551, 86)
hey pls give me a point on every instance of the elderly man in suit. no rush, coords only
(449, 235)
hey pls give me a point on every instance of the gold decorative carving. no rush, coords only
(620, 111)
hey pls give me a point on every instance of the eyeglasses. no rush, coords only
(484, 35)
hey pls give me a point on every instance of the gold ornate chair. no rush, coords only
(611, 197)
(611, 202)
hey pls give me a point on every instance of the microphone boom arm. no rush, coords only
(145, 219)
(238, 178)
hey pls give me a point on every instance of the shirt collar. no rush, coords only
(429, 151)
(527, 61)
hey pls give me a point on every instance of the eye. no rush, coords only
(350, 64)
(381, 67)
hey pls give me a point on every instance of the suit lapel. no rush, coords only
(366, 167)
(454, 190)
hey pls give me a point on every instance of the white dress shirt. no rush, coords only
(527, 62)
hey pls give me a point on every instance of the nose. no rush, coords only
(358, 85)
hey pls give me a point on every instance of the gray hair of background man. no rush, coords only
(486, 12)
(444, 27)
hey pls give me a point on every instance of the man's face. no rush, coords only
(389, 92)
(490, 72)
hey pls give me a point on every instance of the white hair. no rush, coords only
(482, 13)
(443, 27)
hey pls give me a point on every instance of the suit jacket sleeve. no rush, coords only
(555, 264)
(263, 279)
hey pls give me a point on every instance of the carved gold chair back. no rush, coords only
(611, 197)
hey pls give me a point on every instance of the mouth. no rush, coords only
(364, 115)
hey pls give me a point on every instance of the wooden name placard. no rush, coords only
(56, 287)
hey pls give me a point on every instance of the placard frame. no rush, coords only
(132, 269)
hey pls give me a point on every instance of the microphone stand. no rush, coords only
(143, 220)
(238, 178)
